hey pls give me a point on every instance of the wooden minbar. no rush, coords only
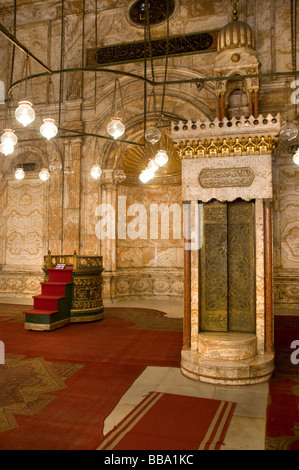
(71, 293)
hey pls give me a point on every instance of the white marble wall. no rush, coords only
(67, 219)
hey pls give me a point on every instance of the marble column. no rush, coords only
(187, 277)
(222, 105)
(194, 280)
(218, 109)
(260, 275)
(250, 102)
(269, 347)
(108, 244)
(256, 104)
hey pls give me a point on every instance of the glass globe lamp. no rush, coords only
(48, 129)
(153, 135)
(289, 131)
(19, 173)
(120, 176)
(161, 158)
(25, 114)
(96, 172)
(55, 166)
(116, 128)
(6, 148)
(153, 165)
(296, 157)
(9, 137)
(146, 175)
(44, 174)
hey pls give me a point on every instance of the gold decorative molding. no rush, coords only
(226, 147)
(77, 261)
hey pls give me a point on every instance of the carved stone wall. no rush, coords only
(286, 233)
(23, 237)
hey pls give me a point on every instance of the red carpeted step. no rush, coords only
(47, 302)
(54, 288)
(61, 275)
(40, 312)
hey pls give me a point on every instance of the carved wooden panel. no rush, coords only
(241, 267)
(214, 268)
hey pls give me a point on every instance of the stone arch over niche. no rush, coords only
(197, 101)
(32, 158)
(237, 100)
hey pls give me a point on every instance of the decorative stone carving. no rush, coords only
(226, 178)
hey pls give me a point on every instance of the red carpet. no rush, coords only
(57, 388)
(282, 428)
(165, 421)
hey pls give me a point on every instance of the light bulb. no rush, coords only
(48, 129)
(289, 131)
(25, 113)
(153, 165)
(153, 135)
(44, 174)
(296, 157)
(6, 148)
(161, 158)
(146, 175)
(20, 174)
(116, 128)
(96, 172)
(9, 137)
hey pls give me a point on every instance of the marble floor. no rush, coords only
(247, 427)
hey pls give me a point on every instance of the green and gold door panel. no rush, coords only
(227, 265)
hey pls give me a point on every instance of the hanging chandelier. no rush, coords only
(116, 128)
(8, 142)
(44, 174)
(9, 137)
(161, 158)
(147, 175)
(153, 135)
(48, 129)
(20, 173)
(96, 172)
(55, 166)
(296, 157)
(25, 113)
